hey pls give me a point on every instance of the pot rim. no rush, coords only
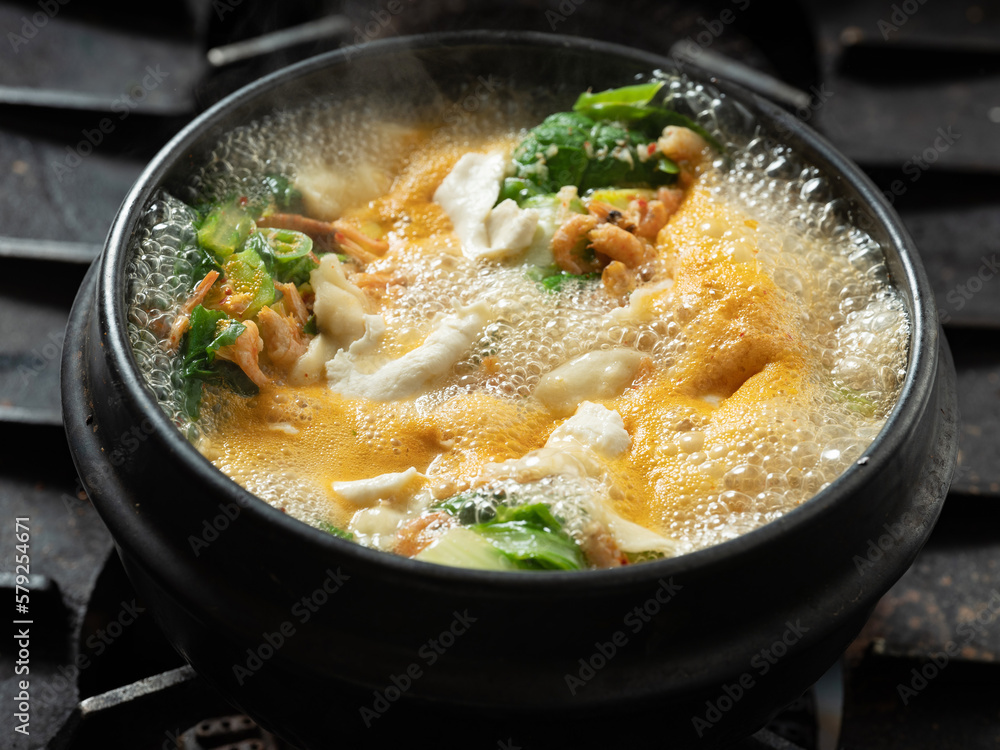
(901, 421)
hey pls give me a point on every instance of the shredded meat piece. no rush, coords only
(619, 281)
(245, 351)
(293, 302)
(417, 535)
(600, 547)
(283, 339)
(183, 320)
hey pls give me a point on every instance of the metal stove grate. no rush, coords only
(89, 92)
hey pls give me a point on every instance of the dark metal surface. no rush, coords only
(890, 96)
(70, 544)
(898, 72)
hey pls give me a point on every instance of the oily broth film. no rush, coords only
(714, 454)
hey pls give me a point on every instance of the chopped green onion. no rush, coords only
(225, 229)
(248, 274)
(329, 528)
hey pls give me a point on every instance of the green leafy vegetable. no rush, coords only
(623, 104)
(554, 279)
(519, 190)
(553, 154)
(284, 195)
(210, 330)
(204, 261)
(568, 148)
(532, 538)
(528, 536)
(464, 548)
(641, 557)
(632, 104)
(474, 506)
(552, 202)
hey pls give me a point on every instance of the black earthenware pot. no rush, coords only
(327, 643)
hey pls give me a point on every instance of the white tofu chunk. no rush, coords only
(341, 312)
(394, 486)
(578, 447)
(593, 427)
(645, 302)
(595, 375)
(510, 230)
(359, 375)
(467, 195)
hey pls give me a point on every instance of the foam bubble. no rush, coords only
(853, 321)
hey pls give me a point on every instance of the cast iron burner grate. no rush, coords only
(890, 84)
(177, 710)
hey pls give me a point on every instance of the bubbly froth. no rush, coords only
(831, 274)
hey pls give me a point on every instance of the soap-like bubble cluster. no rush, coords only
(159, 277)
(854, 322)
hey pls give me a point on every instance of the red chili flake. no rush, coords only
(243, 201)
(651, 149)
